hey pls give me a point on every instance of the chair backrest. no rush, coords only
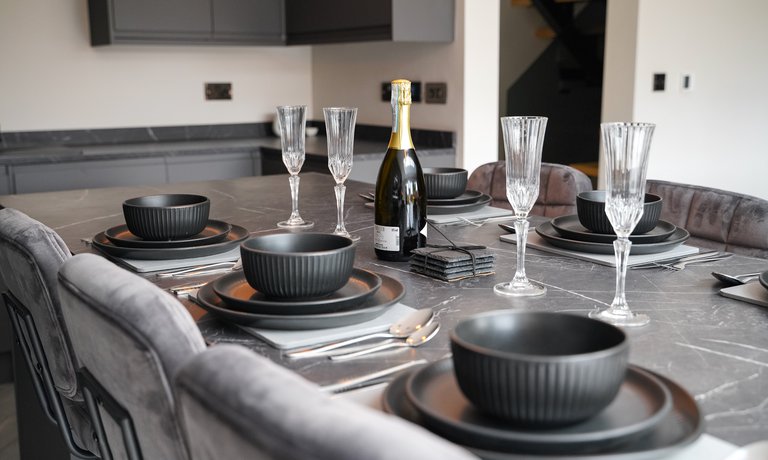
(30, 257)
(236, 404)
(131, 337)
(558, 187)
(716, 219)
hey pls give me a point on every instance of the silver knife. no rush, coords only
(369, 379)
(655, 264)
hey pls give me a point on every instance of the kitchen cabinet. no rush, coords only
(219, 166)
(89, 174)
(335, 21)
(5, 181)
(247, 22)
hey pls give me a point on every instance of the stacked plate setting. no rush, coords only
(496, 356)
(163, 227)
(447, 193)
(295, 281)
(589, 230)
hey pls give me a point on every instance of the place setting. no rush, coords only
(449, 201)
(169, 231)
(492, 396)
(748, 287)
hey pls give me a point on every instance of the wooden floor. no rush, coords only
(9, 442)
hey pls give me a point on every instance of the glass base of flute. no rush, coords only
(619, 313)
(340, 229)
(520, 286)
(295, 220)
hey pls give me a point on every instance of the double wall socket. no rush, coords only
(218, 91)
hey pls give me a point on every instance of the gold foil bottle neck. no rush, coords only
(401, 92)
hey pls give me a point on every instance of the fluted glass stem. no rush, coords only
(521, 233)
(340, 230)
(621, 247)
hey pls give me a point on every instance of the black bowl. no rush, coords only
(538, 369)
(445, 182)
(590, 207)
(166, 217)
(297, 265)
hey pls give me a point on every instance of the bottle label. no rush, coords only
(386, 238)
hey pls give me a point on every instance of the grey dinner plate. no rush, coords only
(437, 210)
(233, 238)
(469, 196)
(641, 403)
(682, 425)
(214, 231)
(550, 235)
(570, 227)
(390, 292)
(239, 295)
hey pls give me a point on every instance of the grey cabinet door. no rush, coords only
(89, 174)
(211, 166)
(5, 181)
(333, 21)
(158, 18)
(253, 21)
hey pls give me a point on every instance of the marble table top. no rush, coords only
(715, 347)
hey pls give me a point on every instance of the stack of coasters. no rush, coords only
(449, 263)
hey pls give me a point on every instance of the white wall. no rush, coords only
(714, 135)
(51, 78)
(351, 75)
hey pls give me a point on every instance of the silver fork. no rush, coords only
(200, 270)
(681, 265)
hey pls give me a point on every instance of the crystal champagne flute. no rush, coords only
(626, 147)
(293, 119)
(523, 140)
(340, 130)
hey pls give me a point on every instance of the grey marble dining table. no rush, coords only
(715, 347)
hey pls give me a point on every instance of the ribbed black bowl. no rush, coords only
(445, 182)
(590, 207)
(166, 217)
(297, 265)
(538, 369)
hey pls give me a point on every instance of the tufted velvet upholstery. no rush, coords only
(716, 219)
(236, 404)
(132, 337)
(30, 257)
(558, 187)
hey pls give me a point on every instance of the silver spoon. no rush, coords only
(735, 280)
(401, 329)
(416, 339)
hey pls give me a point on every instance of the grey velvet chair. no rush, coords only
(130, 338)
(558, 187)
(716, 219)
(30, 257)
(235, 404)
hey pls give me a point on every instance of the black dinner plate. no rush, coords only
(642, 402)
(214, 231)
(233, 238)
(239, 295)
(570, 227)
(481, 202)
(764, 279)
(550, 235)
(468, 197)
(390, 292)
(682, 425)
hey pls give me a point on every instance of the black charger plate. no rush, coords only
(233, 238)
(682, 425)
(570, 227)
(550, 235)
(482, 201)
(390, 292)
(469, 196)
(640, 404)
(239, 295)
(213, 232)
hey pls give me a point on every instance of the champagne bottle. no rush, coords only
(401, 198)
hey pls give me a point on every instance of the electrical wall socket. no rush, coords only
(436, 93)
(218, 91)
